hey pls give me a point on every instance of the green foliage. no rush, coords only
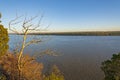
(111, 68)
(55, 74)
(3, 40)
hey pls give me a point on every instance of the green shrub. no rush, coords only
(3, 40)
(111, 68)
(55, 74)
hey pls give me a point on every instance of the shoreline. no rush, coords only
(100, 33)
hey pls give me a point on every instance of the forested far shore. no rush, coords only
(97, 33)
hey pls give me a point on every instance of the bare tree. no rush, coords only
(27, 27)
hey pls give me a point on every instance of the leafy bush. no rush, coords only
(3, 40)
(55, 74)
(111, 68)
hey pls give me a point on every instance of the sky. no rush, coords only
(66, 15)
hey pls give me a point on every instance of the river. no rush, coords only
(79, 57)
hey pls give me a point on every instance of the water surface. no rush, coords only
(80, 56)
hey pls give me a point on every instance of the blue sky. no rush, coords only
(67, 15)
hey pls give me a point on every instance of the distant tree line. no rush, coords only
(97, 33)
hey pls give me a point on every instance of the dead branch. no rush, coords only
(13, 22)
(32, 42)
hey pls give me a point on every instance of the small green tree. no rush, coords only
(3, 40)
(111, 68)
(55, 74)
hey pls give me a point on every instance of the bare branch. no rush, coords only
(39, 22)
(13, 22)
(29, 20)
(32, 42)
(16, 18)
(47, 52)
(14, 30)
